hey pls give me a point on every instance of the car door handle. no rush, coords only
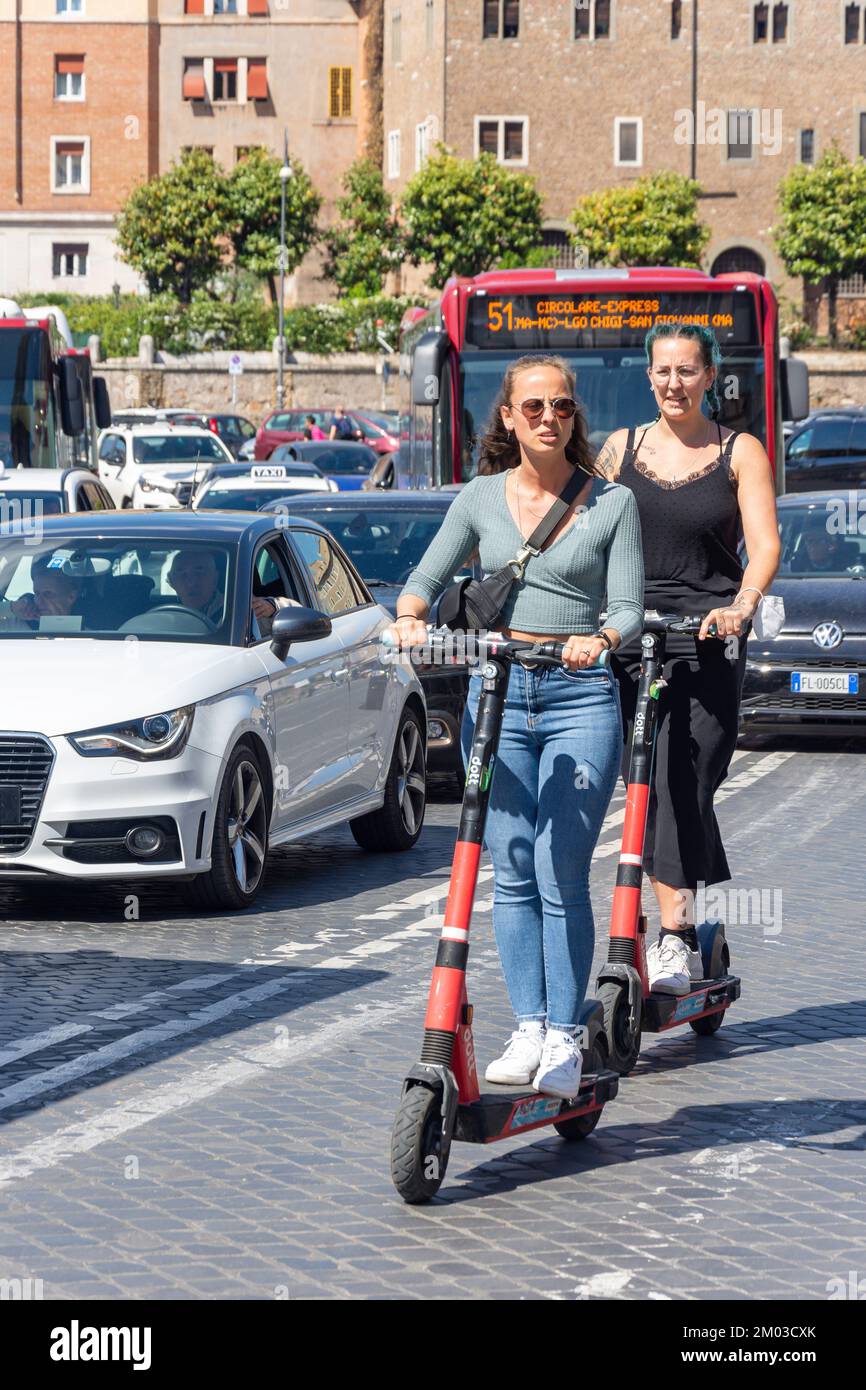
(335, 675)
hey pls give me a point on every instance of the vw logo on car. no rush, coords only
(827, 635)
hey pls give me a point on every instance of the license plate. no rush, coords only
(825, 683)
(10, 805)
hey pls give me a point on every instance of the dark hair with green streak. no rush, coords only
(711, 354)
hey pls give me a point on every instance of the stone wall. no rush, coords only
(836, 378)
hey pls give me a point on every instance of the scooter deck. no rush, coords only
(502, 1111)
(663, 1011)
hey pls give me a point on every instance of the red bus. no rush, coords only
(452, 356)
(51, 404)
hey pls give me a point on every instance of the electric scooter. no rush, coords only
(629, 1007)
(442, 1099)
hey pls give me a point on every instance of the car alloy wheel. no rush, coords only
(411, 784)
(246, 826)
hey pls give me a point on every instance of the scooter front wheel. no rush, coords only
(623, 1042)
(418, 1156)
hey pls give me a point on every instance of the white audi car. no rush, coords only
(183, 691)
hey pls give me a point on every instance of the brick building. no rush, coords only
(588, 94)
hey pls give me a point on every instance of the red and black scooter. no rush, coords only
(623, 989)
(442, 1099)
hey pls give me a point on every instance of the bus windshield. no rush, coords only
(26, 425)
(613, 390)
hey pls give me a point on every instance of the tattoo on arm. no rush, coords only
(606, 462)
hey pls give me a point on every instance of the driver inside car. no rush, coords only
(195, 579)
(821, 550)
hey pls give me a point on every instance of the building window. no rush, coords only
(189, 149)
(429, 16)
(421, 144)
(739, 135)
(862, 150)
(592, 19)
(225, 6)
(397, 36)
(628, 141)
(193, 79)
(69, 78)
(69, 7)
(780, 23)
(393, 154)
(70, 164)
(676, 18)
(852, 23)
(501, 19)
(505, 137)
(807, 147)
(69, 261)
(257, 79)
(760, 15)
(225, 79)
(339, 93)
(738, 259)
(241, 151)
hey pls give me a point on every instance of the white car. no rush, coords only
(157, 465)
(154, 729)
(247, 487)
(30, 493)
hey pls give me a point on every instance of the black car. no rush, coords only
(813, 674)
(245, 487)
(349, 464)
(827, 450)
(385, 535)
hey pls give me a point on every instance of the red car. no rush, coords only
(287, 426)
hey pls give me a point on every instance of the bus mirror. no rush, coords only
(71, 397)
(794, 380)
(430, 355)
(101, 403)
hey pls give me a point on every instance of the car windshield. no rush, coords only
(384, 543)
(350, 459)
(154, 590)
(239, 499)
(176, 448)
(18, 505)
(296, 420)
(821, 540)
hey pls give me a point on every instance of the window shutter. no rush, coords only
(257, 79)
(193, 84)
(225, 65)
(346, 92)
(193, 7)
(70, 65)
(255, 7)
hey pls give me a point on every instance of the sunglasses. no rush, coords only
(563, 408)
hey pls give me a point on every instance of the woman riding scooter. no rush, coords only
(560, 743)
(699, 487)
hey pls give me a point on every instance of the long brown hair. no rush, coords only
(499, 447)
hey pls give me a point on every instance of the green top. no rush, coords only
(596, 562)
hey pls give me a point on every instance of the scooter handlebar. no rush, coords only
(492, 644)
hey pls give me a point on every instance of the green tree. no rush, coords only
(462, 216)
(253, 197)
(821, 233)
(172, 230)
(653, 221)
(367, 242)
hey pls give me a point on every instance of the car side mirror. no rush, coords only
(297, 625)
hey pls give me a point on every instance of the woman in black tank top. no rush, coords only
(698, 491)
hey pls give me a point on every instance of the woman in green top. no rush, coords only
(561, 738)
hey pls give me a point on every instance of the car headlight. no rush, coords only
(156, 485)
(154, 736)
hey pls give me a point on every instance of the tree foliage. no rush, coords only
(366, 243)
(253, 198)
(172, 229)
(821, 233)
(653, 221)
(462, 216)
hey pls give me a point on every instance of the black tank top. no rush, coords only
(691, 531)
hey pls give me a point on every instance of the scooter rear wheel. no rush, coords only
(623, 1044)
(418, 1161)
(583, 1125)
(705, 1027)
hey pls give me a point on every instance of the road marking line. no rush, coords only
(59, 1033)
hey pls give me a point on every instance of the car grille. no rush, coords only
(183, 493)
(25, 762)
(800, 702)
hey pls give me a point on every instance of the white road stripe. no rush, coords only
(59, 1033)
(116, 1120)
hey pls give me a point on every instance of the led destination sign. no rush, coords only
(603, 320)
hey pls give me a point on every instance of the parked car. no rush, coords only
(239, 740)
(146, 415)
(157, 465)
(287, 427)
(348, 464)
(29, 492)
(813, 674)
(827, 450)
(234, 430)
(385, 536)
(247, 486)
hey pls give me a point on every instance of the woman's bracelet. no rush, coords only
(400, 616)
(603, 637)
(750, 588)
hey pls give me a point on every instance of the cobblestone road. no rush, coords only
(202, 1107)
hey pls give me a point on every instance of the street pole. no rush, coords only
(694, 170)
(285, 175)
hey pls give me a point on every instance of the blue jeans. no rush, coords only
(554, 774)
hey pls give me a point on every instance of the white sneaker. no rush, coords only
(519, 1062)
(559, 1070)
(672, 966)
